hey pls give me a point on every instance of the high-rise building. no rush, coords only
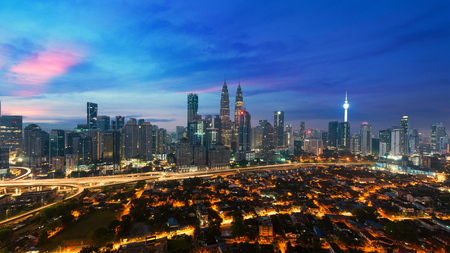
(104, 122)
(267, 138)
(36, 141)
(333, 134)
(289, 139)
(278, 129)
(396, 145)
(192, 106)
(225, 116)
(112, 149)
(130, 140)
(346, 106)
(161, 142)
(244, 135)
(404, 138)
(238, 107)
(11, 132)
(415, 135)
(211, 138)
(385, 136)
(437, 134)
(344, 135)
(96, 142)
(119, 122)
(314, 146)
(145, 140)
(70, 136)
(355, 144)
(383, 148)
(302, 131)
(218, 125)
(91, 119)
(180, 132)
(366, 139)
(57, 143)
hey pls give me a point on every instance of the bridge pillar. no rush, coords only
(90, 184)
(59, 188)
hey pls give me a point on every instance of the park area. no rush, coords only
(80, 229)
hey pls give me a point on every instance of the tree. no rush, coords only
(5, 232)
(101, 236)
(237, 225)
(66, 219)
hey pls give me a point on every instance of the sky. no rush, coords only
(141, 58)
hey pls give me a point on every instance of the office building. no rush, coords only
(267, 138)
(396, 145)
(344, 136)
(404, 137)
(111, 154)
(57, 143)
(130, 140)
(91, 120)
(36, 141)
(4, 159)
(119, 123)
(192, 106)
(244, 135)
(289, 139)
(385, 136)
(355, 144)
(366, 140)
(302, 131)
(314, 146)
(11, 132)
(104, 122)
(333, 134)
(145, 140)
(278, 129)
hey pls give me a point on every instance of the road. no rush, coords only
(80, 189)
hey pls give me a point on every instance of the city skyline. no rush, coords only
(299, 58)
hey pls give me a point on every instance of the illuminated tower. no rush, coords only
(346, 105)
(225, 115)
(238, 105)
(404, 137)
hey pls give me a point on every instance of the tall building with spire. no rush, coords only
(225, 115)
(346, 105)
(404, 137)
(238, 105)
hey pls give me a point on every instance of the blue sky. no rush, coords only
(141, 58)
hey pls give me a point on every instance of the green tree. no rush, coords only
(101, 236)
(237, 225)
(5, 232)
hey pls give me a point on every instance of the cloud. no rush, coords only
(160, 120)
(41, 67)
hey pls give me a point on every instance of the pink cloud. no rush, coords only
(41, 67)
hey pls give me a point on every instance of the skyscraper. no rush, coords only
(278, 129)
(225, 115)
(302, 131)
(120, 122)
(112, 149)
(333, 134)
(11, 132)
(404, 137)
(103, 122)
(36, 141)
(91, 120)
(267, 138)
(289, 139)
(355, 144)
(346, 106)
(57, 143)
(130, 140)
(145, 140)
(244, 135)
(366, 139)
(238, 107)
(395, 141)
(344, 135)
(385, 136)
(192, 106)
